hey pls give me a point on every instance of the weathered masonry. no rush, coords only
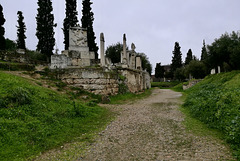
(79, 68)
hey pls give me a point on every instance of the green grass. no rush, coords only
(34, 119)
(215, 101)
(178, 87)
(12, 66)
(164, 84)
(123, 98)
(197, 127)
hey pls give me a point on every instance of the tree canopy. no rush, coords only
(45, 25)
(87, 22)
(159, 71)
(2, 30)
(70, 20)
(177, 58)
(10, 45)
(114, 52)
(21, 28)
(225, 50)
(146, 65)
(196, 68)
(204, 54)
(189, 57)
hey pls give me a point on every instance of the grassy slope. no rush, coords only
(34, 119)
(216, 102)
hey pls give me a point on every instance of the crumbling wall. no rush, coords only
(136, 80)
(94, 80)
(102, 81)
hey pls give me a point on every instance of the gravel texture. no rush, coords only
(147, 129)
(152, 129)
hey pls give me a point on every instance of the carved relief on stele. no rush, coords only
(78, 37)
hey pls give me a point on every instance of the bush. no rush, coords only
(164, 84)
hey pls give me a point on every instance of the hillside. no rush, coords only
(34, 119)
(216, 102)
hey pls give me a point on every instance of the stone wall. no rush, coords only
(104, 82)
(191, 83)
(94, 80)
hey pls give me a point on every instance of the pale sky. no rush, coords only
(152, 25)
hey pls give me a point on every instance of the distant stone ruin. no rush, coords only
(78, 67)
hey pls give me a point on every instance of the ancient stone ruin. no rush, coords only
(78, 67)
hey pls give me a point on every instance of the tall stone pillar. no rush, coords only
(138, 63)
(124, 54)
(102, 49)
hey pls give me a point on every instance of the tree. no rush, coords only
(146, 65)
(179, 74)
(114, 52)
(70, 20)
(10, 45)
(189, 57)
(45, 25)
(21, 28)
(159, 71)
(2, 30)
(196, 68)
(225, 51)
(177, 58)
(87, 22)
(204, 54)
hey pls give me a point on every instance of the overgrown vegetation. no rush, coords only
(164, 84)
(34, 119)
(123, 98)
(215, 101)
(16, 66)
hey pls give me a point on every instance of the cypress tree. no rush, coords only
(2, 30)
(70, 20)
(87, 22)
(177, 58)
(21, 28)
(159, 71)
(45, 31)
(189, 57)
(204, 54)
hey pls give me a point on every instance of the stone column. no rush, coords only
(102, 50)
(124, 55)
(138, 63)
(219, 69)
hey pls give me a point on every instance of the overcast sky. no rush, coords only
(153, 25)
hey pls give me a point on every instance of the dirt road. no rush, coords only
(152, 129)
(147, 129)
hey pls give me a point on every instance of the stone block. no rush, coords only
(59, 61)
(74, 54)
(91, 55)
(68, 81)
(92, 74)
(85, 62)
(91, 87)
(85, 55)
(80, 49)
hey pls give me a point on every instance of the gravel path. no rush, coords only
(151, 129)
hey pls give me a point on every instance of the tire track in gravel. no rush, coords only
(151, 129)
